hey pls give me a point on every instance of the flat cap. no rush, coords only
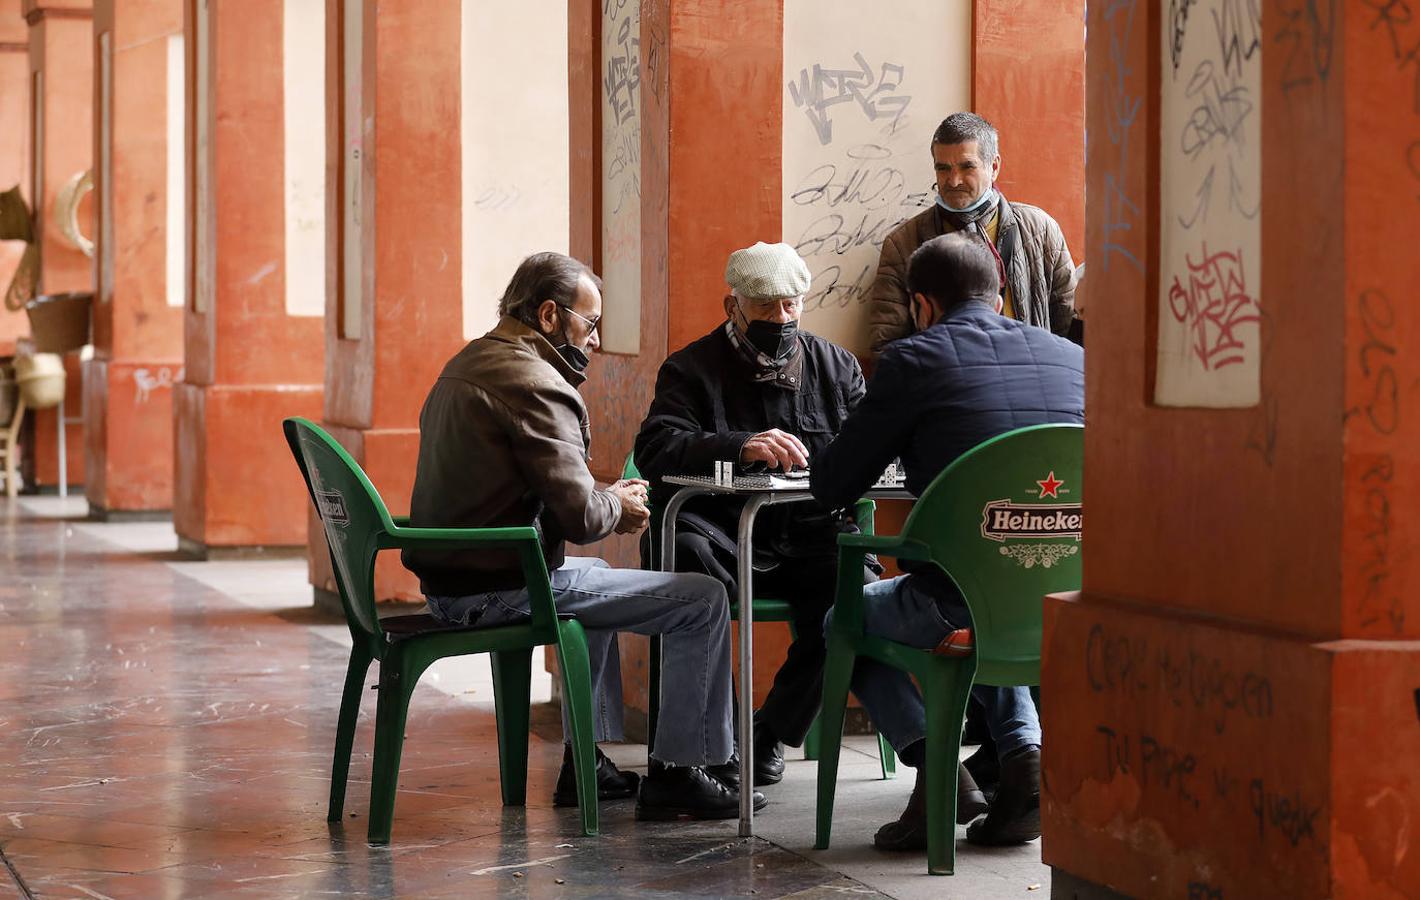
(767, 272)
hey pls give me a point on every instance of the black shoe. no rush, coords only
(727, 772)
(687, 792)
(1015, 813)
(985, 768)
(909, 832)
(612, 783)
(768, 756)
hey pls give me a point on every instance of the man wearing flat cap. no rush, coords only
(761, 393)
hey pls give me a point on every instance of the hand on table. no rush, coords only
(778, 449)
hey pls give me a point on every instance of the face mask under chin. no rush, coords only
(986, 197)
(576, 357)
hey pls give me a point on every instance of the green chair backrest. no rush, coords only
(351, 512)
(1004, 521)
(629, 470)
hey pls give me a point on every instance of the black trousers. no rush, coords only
(808, 586)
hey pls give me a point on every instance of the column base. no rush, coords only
(1064, 886)
(99, 513)
(235, 483)
(196, 550)
(1193, 758)
(128, 434)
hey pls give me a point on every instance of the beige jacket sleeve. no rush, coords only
(1061, 269)
(889, 309)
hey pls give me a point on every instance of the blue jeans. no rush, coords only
(902, 609)
(690, 611)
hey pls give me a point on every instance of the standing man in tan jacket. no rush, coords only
(1036, 269)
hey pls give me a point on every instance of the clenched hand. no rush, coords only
(779, 449)
(635, 514)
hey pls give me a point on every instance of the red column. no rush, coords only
(248, 362)
(137, 331)
(408, 318)
(14, 148)
(61, 92)
(1230, 703)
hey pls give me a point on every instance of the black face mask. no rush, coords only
(773, 339)
(576, 357)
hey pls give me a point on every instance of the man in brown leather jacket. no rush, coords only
(1037, 272)
(503, 440)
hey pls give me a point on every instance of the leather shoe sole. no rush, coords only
(658, 813)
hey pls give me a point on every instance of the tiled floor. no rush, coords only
(166, 730)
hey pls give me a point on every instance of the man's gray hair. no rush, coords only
(958, 128)
(543, 276)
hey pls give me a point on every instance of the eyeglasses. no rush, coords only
(592, 323)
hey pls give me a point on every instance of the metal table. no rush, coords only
(758, 492)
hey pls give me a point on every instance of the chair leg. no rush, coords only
(653, 690)
(345, 729)
(837, 676)
(887, 758)
(947, 690)
(396, 684)
(813, 741)
(512, 692)
(577, 691)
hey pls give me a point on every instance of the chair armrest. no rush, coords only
(522, 538)
(457, 538)
(885, 545)
(865, 511)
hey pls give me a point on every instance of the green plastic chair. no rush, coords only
(766, 609)
(357, 527)
(1004, 582)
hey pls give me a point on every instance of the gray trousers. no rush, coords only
(690, 611)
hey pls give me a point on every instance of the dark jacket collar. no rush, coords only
(513, 331)
(970, 311)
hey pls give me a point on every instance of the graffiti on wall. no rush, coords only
(1209, 349)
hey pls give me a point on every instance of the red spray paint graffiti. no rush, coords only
(1213, 304)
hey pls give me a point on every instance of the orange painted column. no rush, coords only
(137, 327)
(408, 314)
(248, 363)
(61, 96)
(14, 149)
(1232, 703)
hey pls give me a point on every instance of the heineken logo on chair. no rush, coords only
(1045, 525)
(332, 507)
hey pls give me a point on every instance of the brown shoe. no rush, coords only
(909, 832)
(1014, 817)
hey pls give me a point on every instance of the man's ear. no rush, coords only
(996, 168)
(1000, 302)
(547, 317)
(730, 306)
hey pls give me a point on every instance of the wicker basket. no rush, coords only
(41, 379)
(60, 322)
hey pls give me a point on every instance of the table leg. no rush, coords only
(746, 588)
(667, 561)
(63, 455)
